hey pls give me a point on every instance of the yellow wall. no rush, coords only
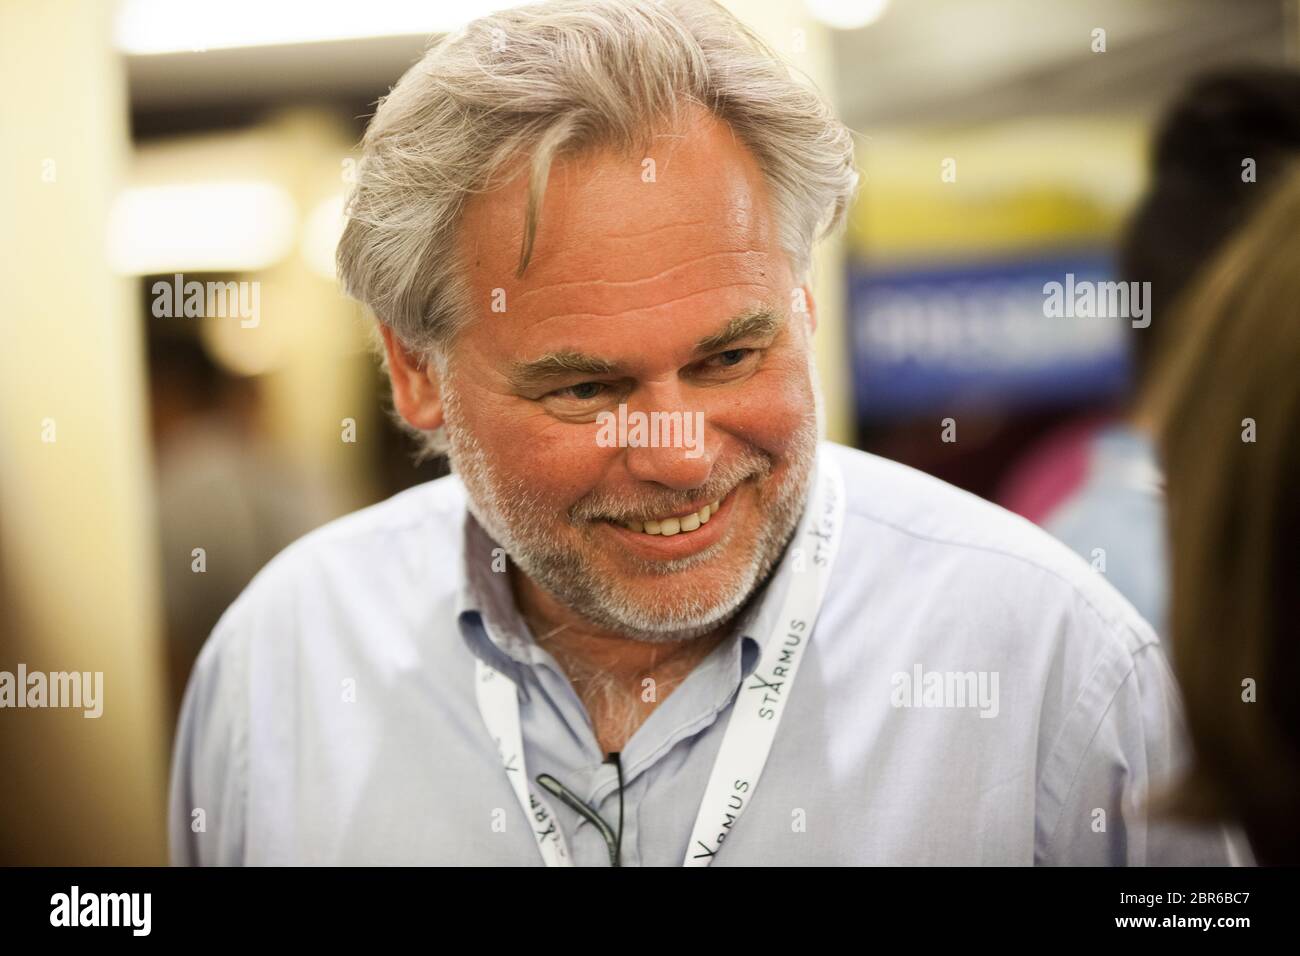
(1010, 187)
(80, 580)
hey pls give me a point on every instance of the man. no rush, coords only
(583, 647)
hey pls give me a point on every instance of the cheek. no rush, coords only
(559, 461)
(772, 409)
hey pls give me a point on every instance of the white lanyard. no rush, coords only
(756, 711)
(498, 702)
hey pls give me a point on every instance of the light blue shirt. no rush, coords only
(973, 693)
(1116, 520)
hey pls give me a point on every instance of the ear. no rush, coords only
(417, 393)
(812, 309)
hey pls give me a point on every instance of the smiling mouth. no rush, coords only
(677, 524)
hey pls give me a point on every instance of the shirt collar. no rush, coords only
(489, 620)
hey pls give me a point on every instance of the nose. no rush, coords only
(675, 452)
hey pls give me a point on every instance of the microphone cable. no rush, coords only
(614, 841)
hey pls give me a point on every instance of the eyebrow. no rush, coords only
(525, 375)
(760, 321)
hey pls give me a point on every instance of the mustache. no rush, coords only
(621, 506)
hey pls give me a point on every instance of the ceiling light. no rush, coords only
(846, 14)
(234, 226)
(179, 26)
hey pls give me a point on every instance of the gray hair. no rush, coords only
(551, 80)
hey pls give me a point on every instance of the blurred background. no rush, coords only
(151, 463)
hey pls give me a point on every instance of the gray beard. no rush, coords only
(517, 517)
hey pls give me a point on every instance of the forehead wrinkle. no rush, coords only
(632, 283)
(650, 308)
(653, 229)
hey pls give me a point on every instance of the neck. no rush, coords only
(608, 669)
(571, 637)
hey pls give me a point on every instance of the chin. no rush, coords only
(683, 603)
(653, 624)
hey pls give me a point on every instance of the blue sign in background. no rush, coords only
(939, 338)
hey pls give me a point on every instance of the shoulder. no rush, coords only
(432, 506)
(363, 575)
(932, 576)
(414, 531)
(973, 561)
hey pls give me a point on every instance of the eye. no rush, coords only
(729, 359)
(583, 391)
(732, 356)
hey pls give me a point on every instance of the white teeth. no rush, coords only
(671, 526)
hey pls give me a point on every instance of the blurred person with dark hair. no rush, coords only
(1228, 402)
(1221, 148)
(227, 502)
